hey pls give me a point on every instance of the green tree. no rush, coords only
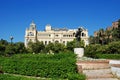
(119, 28)
(71, 45)
(3, 42)
(10, 50)
(115, 34)
(20, 48)
(36, 47)
(75, 44)
(108, 34)
(49, 47)
(58, 47)
(2, 49)
(101, 35)
(91, 40)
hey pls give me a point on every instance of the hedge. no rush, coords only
(94, 50)
(41, 65)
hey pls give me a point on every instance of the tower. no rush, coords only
(31, 34)
(48, 28)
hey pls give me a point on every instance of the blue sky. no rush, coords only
(16, 15)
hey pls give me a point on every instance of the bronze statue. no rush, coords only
(78, 34)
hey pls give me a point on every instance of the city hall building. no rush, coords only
(51, 35)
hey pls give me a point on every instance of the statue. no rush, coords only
(79, 50)
(78, 34)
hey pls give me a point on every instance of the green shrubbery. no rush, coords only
(94, 50)
(42, 65)
(76, 77)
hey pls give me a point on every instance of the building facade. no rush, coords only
(51, 35)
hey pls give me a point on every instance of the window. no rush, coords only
(82, 34)
(64, 42)
(49, 41)
(30, 34)
(56, 35)
(64, 35)
(45, 42)
(56, 41)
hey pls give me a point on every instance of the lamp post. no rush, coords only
(11, 38)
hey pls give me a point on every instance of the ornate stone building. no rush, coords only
(51, 35)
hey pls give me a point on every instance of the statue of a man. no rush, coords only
(78, 34)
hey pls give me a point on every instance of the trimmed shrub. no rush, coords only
(92, 50)
(111, 48)
(41, 65)
(76, 77)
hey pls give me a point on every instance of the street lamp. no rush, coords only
(11, 38)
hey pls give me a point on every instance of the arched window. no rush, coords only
(82, 34)
(64, 42)
(30, 34)
(56, 41)
(45, 42)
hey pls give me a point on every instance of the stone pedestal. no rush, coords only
(79, 52)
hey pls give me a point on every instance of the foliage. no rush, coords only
(36, 47)
(3, 42)
(91, 50)
(114, 47)
(49, 47)
(10, 49)
(42, 65)
(76, 77)
(58, 47)
(19, 47)
(111, 48)
(106, 36)
(39, 47)
(2, 49)
(73, 44)
(55, 47)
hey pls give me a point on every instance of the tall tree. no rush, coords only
(101, 35)
(20, 48)
(49, 47)
(36, 47)
(108, 34)
(10, 50)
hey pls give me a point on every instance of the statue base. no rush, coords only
(79, 52)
